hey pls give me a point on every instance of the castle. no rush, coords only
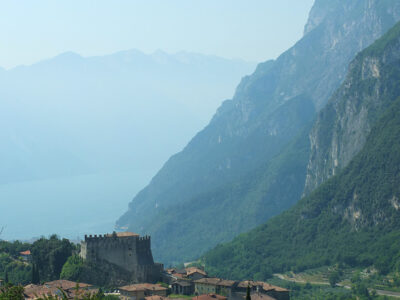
(125, 250)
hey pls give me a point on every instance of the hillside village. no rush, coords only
(180, 288)
(137, 277)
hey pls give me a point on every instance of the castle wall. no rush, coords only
(132, 253)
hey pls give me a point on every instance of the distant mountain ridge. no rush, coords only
(72, 115)
(353, 217)
(250, 162)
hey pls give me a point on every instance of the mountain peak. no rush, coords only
(68, 55)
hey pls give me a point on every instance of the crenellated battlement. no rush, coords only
(144, 238)
(116, 236)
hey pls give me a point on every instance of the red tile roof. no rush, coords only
(27, 252)
(209, 297)
(216, 281)
(52, 288)
(123, 234)
(192, 270)
(213, 281)
(155, 297)
(66, 284)
(142, 287)
(265, 286)
(33, 291)
(269, 287)
(226, 282)
(259, 296)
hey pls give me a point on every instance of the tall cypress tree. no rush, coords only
(248, 297)
(33, 279)
(35, 274)
(6, 277)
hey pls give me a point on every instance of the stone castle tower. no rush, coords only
(125, 250)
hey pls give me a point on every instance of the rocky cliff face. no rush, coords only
(353, 218)
(243, 142)
(342, 127)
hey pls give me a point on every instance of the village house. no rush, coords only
(170, 276)
(209, 297)
(141, 291)
(214, 286)
(183, 283)
(155, 297)
(206, 286)
(195, 273)
(25, 255)
(258, 296)
(259, 288)
(182, 287)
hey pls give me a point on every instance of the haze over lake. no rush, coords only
(69, 206)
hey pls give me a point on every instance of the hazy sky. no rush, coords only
(253, 30)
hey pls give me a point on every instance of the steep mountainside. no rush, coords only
(342, 127)
(354, 217)
(237, 172)
(72, 115)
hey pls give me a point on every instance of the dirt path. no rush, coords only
(283, 277)
(388, 293)
(379, 292)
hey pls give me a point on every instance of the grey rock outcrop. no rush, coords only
(342, 127)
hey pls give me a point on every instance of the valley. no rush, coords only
(286, 188)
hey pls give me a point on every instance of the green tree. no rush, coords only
(360, 289)
(334, 278)
(35, 274)
(10, 292)
(248, 297)
(50, 255)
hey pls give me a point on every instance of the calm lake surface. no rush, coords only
(70, 207)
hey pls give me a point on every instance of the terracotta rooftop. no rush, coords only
(183, 283)
(122, 234)
(216, 281)
(192, 270)
(78, 294)
(269, 287)
(227, 282)
(33, 291)
(155, 297)
(27, 252)
(251, 283)
(265, 286)
(52, 288)
(142, 287)
(208, 280)
(209, 297)
(259, 296)
(65, 284)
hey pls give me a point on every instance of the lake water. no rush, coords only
(69, 207)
